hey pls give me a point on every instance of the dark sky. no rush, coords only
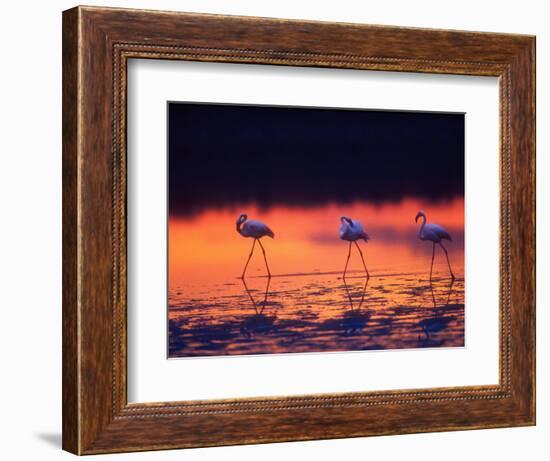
(223, 155)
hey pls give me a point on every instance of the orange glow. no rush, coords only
(207, 246)
(307, 306)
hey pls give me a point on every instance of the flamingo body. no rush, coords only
(433, 232)
(351, 230)
(256, 229)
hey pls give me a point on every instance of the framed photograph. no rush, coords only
(308, 172)
(280, 230)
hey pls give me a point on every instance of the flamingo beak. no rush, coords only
(417, 216)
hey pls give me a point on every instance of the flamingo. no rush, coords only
(435, 233)
(351, 231)
(256, 230)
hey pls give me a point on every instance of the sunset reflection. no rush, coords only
(306, 305)
(339, 190)
(206, 246)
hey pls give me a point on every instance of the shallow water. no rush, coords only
(307, 306)
(317, 312)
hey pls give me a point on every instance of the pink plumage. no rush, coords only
(256, 230)
(351, 231)
(434, 233)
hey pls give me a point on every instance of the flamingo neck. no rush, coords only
(421, 230)
(239, 224)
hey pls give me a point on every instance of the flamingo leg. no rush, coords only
(347, 261)
(265, 259)
(433, 256)
(448, 262)
(362, 259)
(249, 256)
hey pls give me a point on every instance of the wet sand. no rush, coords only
(316, 312)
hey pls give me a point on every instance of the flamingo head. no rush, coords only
(242, 218)
(419, 215)
(346, 219)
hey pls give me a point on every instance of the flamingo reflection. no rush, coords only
(258, 322)
(354, 320)
(440, 320)
(253, 300)
(362, 293)
(449, 291)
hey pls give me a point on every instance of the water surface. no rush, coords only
(307, 306)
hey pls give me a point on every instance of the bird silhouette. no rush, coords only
(435, 233)
(255, 230)
(351, 231)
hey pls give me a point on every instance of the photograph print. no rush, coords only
(304, 229)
